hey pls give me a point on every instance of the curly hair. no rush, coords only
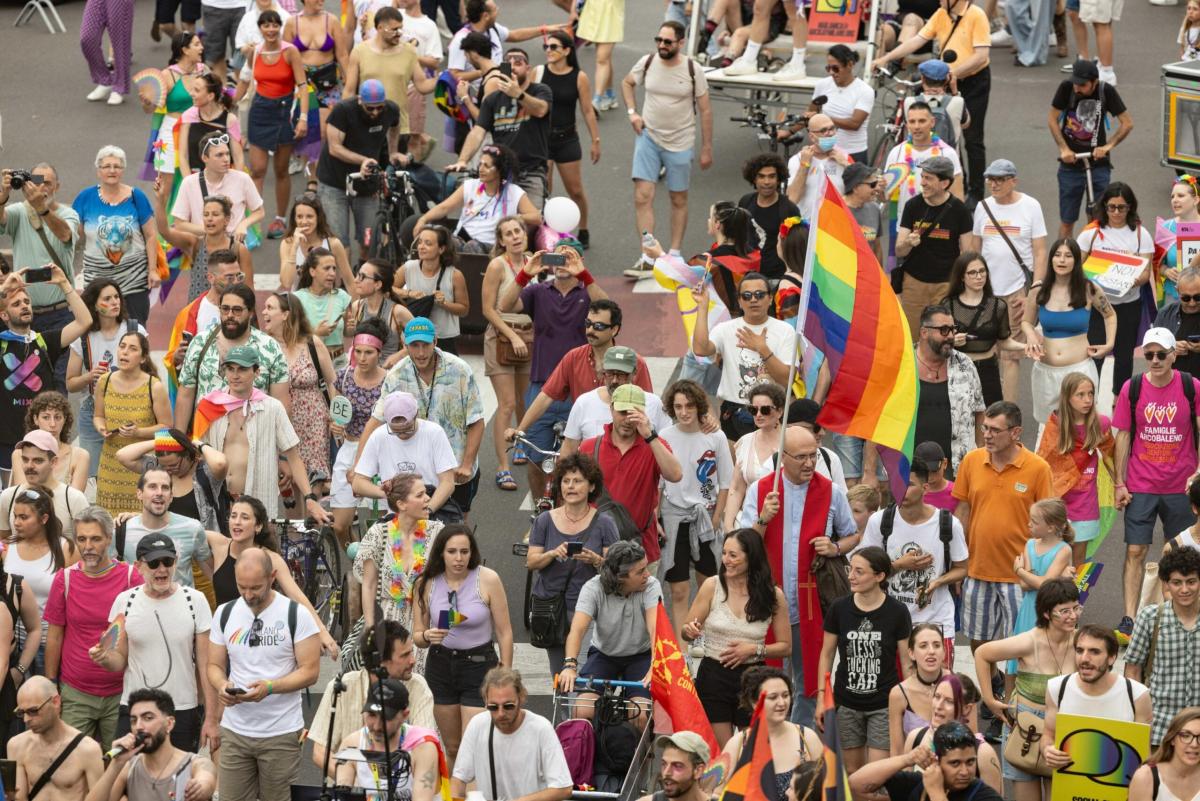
(586, 466)
(618, 559)
(690, 390)
(264, 535)
(48, 401)
(755, 164)
(753, 680)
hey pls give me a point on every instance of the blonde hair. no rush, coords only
(869, 497)
(1066, 427)
(1054, 514)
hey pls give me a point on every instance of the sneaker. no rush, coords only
(1002, 38)
(741, 66)
(1123, 630)
(115, 99)
(1164, 2)
(1108, 76)
(611, 102)
(276, 229)
(639, 270)
(598, 102)
(295, 165)
(793, 71)
(1068, 67)
(100, 93)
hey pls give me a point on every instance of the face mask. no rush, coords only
(826, 143)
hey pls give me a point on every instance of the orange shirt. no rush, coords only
(999, 523)
(973, 32)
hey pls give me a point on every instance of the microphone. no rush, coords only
(949, 56)
(139, 739)
(820, 100)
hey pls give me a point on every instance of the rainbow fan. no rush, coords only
(149, 84)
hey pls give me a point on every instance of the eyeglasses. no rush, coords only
(1154, 355)
(1188, 737)
(827, 131)
(997, 179)
(256, 628)
(1070, 611)
(166, 561)
(222, 139)
(232, 309)
(1189, 298)
(802, 457)
(507, 706)
(22, 713)
(756, 294)
(516, 59)
(552, 46)
(944, 330)
(1117, 206)
(662, 41)
(367, 277)
(975, 273)
(596, 326)
(995, 429)
(763, 410)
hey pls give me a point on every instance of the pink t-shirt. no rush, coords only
(1162, 457)
(1083, 500)
(86, 604)
(236, 185)
(943, 498)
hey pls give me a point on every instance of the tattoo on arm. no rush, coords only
(1101, 300)
(427, 781)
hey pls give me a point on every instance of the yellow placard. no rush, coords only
(1104, 755)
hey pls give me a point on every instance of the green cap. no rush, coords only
(620, 358)
(243, 355)
(628, 397)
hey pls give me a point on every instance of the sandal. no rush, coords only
(504, 481)
(519, 456)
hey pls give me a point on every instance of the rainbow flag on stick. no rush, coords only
(851, 314)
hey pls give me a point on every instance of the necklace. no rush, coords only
(909, 155)
(930, 684)
(404, 577)
(576, 519)
(1058, 661)
(936, 370)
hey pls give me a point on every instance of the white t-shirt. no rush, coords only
(906, 538)
(247, 30)
(161, 636)
(742, 368)
(67, 501)
(456, 59)
(707, 467)
(814, 180)
(1117, 240)
(480, 213)
(207, 315)
(104, 348)
(1113, 705)
(842, 102)
(590, 413)
(423, 32)
(910, 189)
(427, 453)
(528, 760)
(272, 657)
(1023, 222)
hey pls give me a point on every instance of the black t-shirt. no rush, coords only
(768, 219)
(31, 369)
(922, 8)
(1189, 324)
(907, 785)
(866, 671)
(940, 228)
(364, 135)
(933, 416)
(512, 126)
(1082, 118)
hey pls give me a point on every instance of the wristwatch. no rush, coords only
(312, 496)
(630, 112)
(653, 436)
(521, 96)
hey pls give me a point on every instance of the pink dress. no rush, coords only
(310, 414)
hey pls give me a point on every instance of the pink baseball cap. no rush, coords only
(42, 440)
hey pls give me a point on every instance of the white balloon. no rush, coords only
(561, 214)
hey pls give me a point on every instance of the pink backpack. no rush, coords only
(578, 741)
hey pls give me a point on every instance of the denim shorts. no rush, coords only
(270, 123)
(850, 451)
(455, 676)
(1008, 770)
(541, 433)
(1144, 508)
(1073, 5)
(1072, 189)
(649, 158)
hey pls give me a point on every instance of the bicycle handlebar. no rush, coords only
(306, 525)
(519, 439)
(884, 72)
(590, 682)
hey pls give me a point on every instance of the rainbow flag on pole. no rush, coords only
(851, 314)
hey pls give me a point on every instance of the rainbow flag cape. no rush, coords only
(218, 403)
(675, 275)
(1086, 576)
(851, 314)
(1106, 492)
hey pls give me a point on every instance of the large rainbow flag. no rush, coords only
(851, 314)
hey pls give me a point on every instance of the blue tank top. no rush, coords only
(1062, 324)
(476, 629)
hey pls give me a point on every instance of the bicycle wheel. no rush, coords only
(882, 148)
(325, 577)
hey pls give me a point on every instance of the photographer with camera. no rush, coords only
(42, 229)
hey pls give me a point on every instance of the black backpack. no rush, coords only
(1189, 392)
(945, 531)
(626, 528)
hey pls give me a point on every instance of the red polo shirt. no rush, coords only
(631, 479)
(577, 373)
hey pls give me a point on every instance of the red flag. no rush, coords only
(837, 784)
(753, 777)
(672, 686)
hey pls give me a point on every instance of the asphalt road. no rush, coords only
(46, 117)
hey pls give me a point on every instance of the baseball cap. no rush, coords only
(628, 397)
(42, 440)
(856, 173)
(243, 355)
(389, 696)
(155, 546)
(620, 358)
(688, 742)
(940, 166)
(372, 91)
(399, 404)
(1083, 71)
(804, 410)
(1159, 336)
(420, 329)
(1000, 168)
(930, 454)
(934, 69)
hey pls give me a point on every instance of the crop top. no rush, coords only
(1063, 324)
(987, 323)
(325, 47)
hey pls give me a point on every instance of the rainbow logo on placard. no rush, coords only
(1100, 757)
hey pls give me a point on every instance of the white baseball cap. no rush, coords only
(1159, 336)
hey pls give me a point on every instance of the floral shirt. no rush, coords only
(966, 398)
(452, 401)
(205, 374)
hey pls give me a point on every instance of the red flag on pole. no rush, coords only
(672, 687)
(753, 777)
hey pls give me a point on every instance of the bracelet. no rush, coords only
(45, 213)
(523, 278)
(270, 687)
(21, 669)
(586, 277)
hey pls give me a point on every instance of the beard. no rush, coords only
(234, 329)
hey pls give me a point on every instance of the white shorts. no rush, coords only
(1046, 384)
(340, 494)
(1102, 11)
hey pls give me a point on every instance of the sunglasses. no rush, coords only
(507, 706)
(552, 46)
(1155, 355)
(757, 294)
(763, 410)
(596, 326)
(662, 41)
(1189, 298)
(31, 494)
(223, 139)
(944, 330)
(21, 713)
(255, 639)
(166, 561)
(367, 277)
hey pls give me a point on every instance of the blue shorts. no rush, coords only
(1072, 190)
(541, 433)
(618, 668)
(1073, 5)
(1174, 509)
(649, 158)
(1086, 530)
(850, 451)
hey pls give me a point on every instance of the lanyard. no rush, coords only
(432, 381)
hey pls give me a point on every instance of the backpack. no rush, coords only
(616, 746)
(293, 610)
(943, 123)
(131, 327)
(691, 73)
(12, 599)
(945, 531)
(626, 528)
(1062, 692)
(578, 742)
(1189, 392)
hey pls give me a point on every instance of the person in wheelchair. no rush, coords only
(614, 600)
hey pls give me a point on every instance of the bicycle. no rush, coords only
(397, 202)
(894, 129)
(768, 130)
(543, 504)
(314, 558)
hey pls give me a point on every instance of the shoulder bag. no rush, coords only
(1000, 230)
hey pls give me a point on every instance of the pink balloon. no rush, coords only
(547, 238)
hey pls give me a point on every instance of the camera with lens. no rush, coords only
(18, 178)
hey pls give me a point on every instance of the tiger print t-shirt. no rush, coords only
(114, 246)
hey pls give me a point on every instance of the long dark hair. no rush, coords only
(310, 262)
(309, 199)
(91, 296)
(734, 224)
(39, 498)
(760, 586)
(436, 562)
(179, 43)
(1118, 189)
(568, 45)
(387, 276)
(958, 274)
(264, 535)
(1078, 281)
(147, 365)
